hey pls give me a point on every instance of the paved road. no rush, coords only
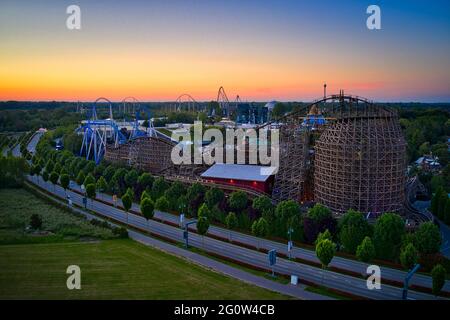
(251, 257)
(286, 289)
(304, 254)
(31, 147)
(15, 151)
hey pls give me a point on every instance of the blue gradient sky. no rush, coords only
(261, 50)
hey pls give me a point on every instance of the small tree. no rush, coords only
(162, 204)
(65, 181)
(238, 200)
(176, 190)
(194, 198)
(89, 180)
(63, 171)
(159, 187)
(147, 209)
(102, 185)
(45, 176)
(145, 181)
(49, 166)
(145, 194)
(231, 222)
(35, 221)
(263, 227)
(438, 276)
(353, 228)
(130, 192)
(427, 239)
(213, 196)
(409, 256)
(54, 178)
(37, 169)
(324, 235)
(57, 168)
(388, 232)
(127, 201)
(365, 252)
(80, 178)
(204, 211)
(285, 211)
(325, 251)
(437, 200)
(319, 212)
(260, 229)
(264, 205)
(90, 191)
(202, 227)
(131, 178)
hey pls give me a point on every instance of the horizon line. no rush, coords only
(207, 101)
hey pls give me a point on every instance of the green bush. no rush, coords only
(35, 221)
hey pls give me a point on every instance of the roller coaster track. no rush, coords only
(336, 110)
(412, 187)
(186, 99)
(132, 101)
(223, 101)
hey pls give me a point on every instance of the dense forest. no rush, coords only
(33, 119)
(427, 131)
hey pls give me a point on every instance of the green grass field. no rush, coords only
(165, 131)
(110, 269)
(17, 207)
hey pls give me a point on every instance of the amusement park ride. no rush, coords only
(98, 132)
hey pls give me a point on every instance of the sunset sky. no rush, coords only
(261, 50)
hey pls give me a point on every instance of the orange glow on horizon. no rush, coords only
(150, 76)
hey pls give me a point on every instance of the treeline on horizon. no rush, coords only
(71, 105)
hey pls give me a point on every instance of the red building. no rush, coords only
(245, 176)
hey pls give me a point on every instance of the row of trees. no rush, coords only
(36, 117)
(326, 249)
(387, 239)
(12, 171)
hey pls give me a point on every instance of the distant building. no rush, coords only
(314, 118)
(227, 123)
(248, 113)
(174, 125)
(428, 163)
(59, 144)
(248, 176)
(270, 105)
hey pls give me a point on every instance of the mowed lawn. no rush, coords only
(110, 269)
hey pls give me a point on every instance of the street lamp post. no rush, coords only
(290, 231)
(186, 232)
(406, 282)
(83, 189)
(181, 207)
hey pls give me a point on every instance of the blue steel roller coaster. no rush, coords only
(97, 133)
